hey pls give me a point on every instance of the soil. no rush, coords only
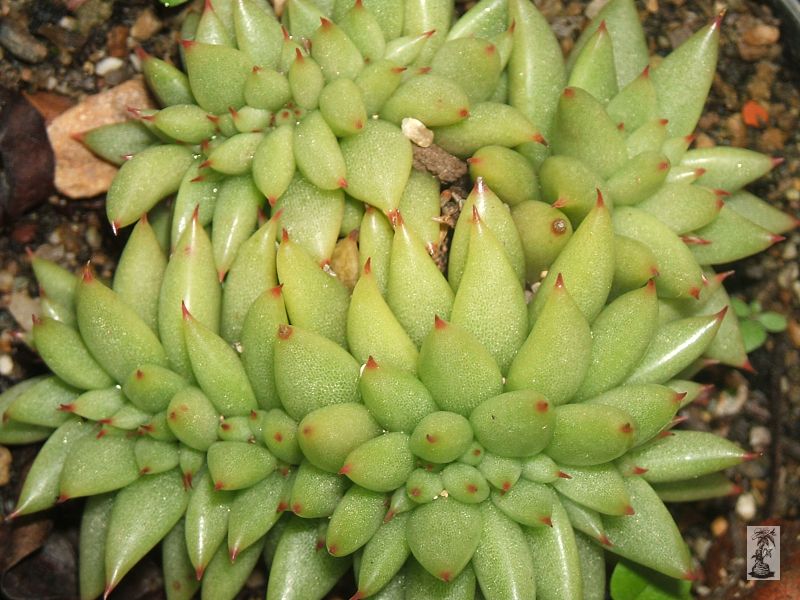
(54, 52)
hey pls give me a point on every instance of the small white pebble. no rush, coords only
(701, 548)
(746, 507)
(108, 64)
(416, 131)
(136, 62)
(760, 438)
(68, 23)
(6, 365)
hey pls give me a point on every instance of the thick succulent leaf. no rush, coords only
(490, 302)
(41, 487)
(662, 549)
(682, 455)
(503, 562)
(190, 280)
(443, 536)
(311, 371)
(536, 67)
(555, 553)
(593, 567)
(144, 180)
(630, 47)
(384, 556)
(163, 499)
(683, 79)
(556, 354)
(299, 570)
(586, 265)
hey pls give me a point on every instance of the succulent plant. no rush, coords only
(312, 388)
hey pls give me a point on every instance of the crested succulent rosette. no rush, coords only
(311, 388)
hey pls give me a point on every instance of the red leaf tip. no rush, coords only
(395, 218)
(747, 366)
(87, 275)
(438, 322)
(600, 202)
(559, 282)
(371, 363)
(284, 331)
(717, 22)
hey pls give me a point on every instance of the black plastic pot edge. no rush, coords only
(789, 13)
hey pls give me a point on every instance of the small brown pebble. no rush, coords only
(719, 526)
(761, 35)
(750, 52)
(145, 26)
(116, 41)
(737, 130)
(772, 140)
(703, 141)
(5, 465)
(793, 329)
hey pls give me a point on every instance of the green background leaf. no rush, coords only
(630, 581)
